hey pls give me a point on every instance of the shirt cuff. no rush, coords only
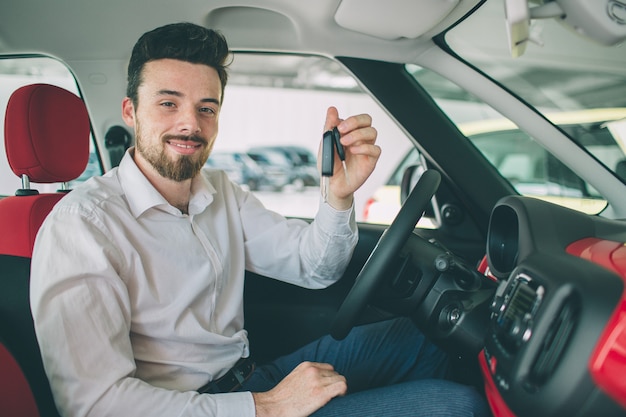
(233, 404)
(336, 222)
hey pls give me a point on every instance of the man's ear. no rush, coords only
(128, 112)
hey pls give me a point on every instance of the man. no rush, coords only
(137, 276)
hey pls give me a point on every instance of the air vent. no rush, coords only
(554, 343)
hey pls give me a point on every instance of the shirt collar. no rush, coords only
(142, 196)
(202, 192)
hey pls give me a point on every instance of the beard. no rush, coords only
(180, 169)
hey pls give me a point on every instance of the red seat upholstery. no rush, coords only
(46, 138)
(17, 398)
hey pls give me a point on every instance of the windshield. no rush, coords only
(577, 83)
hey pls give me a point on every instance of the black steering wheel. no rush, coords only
(388, 246)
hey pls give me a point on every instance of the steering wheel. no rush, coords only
(389, 245)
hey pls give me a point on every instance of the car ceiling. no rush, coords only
(78, 30)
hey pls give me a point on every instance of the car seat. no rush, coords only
(117, 140)
(46, 135)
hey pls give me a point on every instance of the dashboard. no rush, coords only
(556, 343)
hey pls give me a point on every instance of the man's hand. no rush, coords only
(358, 138)
(305, 390)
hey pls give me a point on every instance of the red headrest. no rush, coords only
(46, 133)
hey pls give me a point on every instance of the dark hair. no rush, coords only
(183, 41)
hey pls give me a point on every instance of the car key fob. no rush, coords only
(337, 139)
(328, 154)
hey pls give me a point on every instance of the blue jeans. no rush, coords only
(391, 370)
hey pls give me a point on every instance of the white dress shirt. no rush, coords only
(136, 305)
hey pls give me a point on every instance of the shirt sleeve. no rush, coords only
(82, 319)
(324, 246)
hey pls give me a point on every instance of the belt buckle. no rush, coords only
(232, 380)
(239, 376)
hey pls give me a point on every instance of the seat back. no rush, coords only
(117, 139)
(17, 398)
(47, 141)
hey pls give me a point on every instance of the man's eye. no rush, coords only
(207, 110)
(167, 104)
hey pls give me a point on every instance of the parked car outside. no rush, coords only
(240, 168)
(304, 166)
(277, 164)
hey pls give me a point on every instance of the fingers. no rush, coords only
(324, 372)
(358, 138)
(353, 123)
(306, 389)
(358, 135)
(361, 142)
(354, 130)
(332, 118)
(324, 382)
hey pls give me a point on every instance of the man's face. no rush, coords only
(176, 117)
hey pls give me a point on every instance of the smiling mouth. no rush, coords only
(193, 145)
(185, 144)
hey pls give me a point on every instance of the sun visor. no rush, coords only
(393, 19)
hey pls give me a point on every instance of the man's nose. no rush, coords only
(189, 121)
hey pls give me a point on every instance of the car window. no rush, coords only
(270, 128)
(16, 72)
(529, 167)
(272, 122)
(581, 89)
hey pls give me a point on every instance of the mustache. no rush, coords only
(190, 138)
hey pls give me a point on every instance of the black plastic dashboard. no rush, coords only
(551, 310)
